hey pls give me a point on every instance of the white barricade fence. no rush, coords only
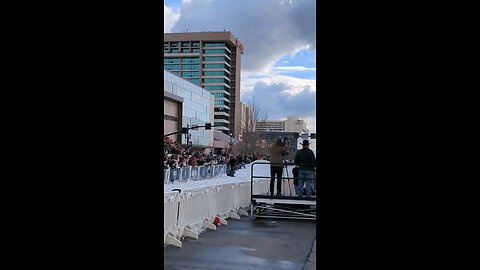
(193, 211)
(170, 212)
(166, 176)
(242, 196)
(224, 200)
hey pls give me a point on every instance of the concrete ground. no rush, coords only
(248, 244)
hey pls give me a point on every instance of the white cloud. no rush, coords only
(293, 68)
(268, 29)
(282, 96)
(170, 17)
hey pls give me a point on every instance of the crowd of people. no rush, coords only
(178, 156)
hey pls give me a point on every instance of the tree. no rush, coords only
(250, 136)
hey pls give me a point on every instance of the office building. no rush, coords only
(292, 124)
(295, 124)
(210, 60)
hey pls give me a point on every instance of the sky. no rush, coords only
(279, 39)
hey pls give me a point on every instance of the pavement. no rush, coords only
(248, 244)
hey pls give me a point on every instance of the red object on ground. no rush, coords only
(216, 221)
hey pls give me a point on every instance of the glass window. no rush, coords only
(215, 87)
(174, 50)
(171, 67)
(213, 58)
(171, 60)
(195, 50)
(190, 67)
(190, 74)
(216, 51)
(214, 44)
(190, 60)
(185, 44)
(214, 66)
(215, 80)
(193, 80)
(214, 73)
(185, 50)
(221, 95)
(174, 44)
(195, 44)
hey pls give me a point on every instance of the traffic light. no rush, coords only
(313, 136)
(184, 130)
(208, 126)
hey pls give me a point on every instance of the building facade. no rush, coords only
(196, 109)
(295, 124)
(270, 126)
(292, 124)
(246, 120)
(211, 60)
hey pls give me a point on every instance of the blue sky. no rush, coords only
(279, 38)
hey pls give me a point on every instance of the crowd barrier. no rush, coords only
(193, 173)
(189, 212)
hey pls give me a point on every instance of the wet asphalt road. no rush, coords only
(248, 244)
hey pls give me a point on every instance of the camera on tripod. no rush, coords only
(283, 141)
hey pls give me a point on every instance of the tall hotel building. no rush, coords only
(210, 60)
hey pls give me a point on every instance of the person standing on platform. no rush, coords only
(277, 151)
(305, 160)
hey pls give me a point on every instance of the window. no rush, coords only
(171, 67)
(221, 110)
(195, 44)
(190, 67)
(185, 50)
(216, 87)
(214, 66)
(165, 45)
(214, 44)
(174, 44)
(215, 80)
(185, 44)
(171, 60)
(190, 60)
(213, 58)
(224, 117)
(221, 95)
(221, 102)
(174, 50)
(214, 73)
(217, 51)
(195, 50)
(165, 50)
(177, 73)
(220, 124)
(193, 80)
(189, 74)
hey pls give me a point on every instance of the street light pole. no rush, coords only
(187, 135)
(231, 143)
